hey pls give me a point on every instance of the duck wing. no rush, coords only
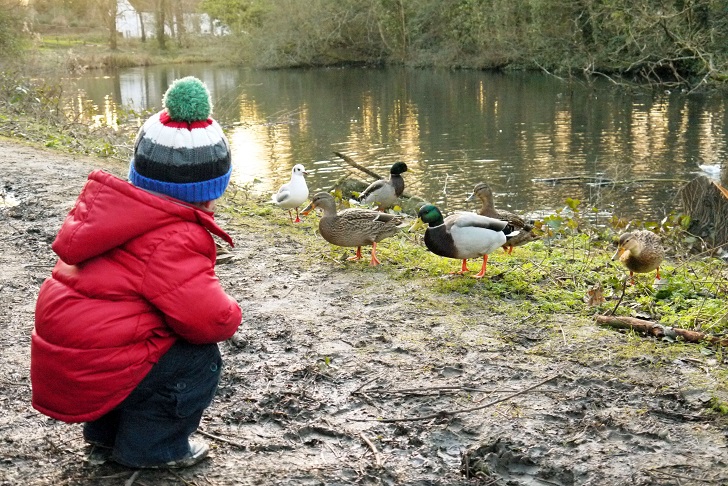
(358, 227)
(472, 220)
(380, 192)
(514, 219)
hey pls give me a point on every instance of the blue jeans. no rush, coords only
(152, 425)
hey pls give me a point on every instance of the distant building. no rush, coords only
(132, 21)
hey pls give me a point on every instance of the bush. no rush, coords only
(12, 16)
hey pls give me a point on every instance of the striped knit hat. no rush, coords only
(181, 151)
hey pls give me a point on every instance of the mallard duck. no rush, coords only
(641, 252)
(294, 193)
(386, 193)
(464, 235)
(353, 226)
(525, 235)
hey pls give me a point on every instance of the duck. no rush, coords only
(293, 193)
(385, 194)
(464, 235)
(353, 227)
(483, 192)
(641, 251)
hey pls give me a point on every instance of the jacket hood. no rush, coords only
(110, 211)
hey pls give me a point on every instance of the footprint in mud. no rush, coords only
(508, 464)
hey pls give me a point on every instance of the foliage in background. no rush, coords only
(12, 17)
(37, 110)
(671, 43)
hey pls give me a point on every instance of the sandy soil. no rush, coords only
(327, 348)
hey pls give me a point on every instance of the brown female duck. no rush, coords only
(353, 226)
(640, 251)
(525, 234)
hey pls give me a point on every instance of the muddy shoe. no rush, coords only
(198, 452)
(98, 444)
(98, 453)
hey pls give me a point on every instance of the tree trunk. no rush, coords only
(179, 21)
(161, 21)
(141, 26)
(111, 22)
(706, 202)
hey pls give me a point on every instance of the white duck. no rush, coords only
(294, 193)
(464, 235)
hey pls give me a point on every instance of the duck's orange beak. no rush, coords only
(618, 253)
(308, 209)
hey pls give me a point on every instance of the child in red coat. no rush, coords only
(127, 326)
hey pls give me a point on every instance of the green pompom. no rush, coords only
(188, 100)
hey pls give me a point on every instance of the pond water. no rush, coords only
(453, 129)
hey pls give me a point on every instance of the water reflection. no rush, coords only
(453, 129)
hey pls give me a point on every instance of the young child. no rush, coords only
(127, 326)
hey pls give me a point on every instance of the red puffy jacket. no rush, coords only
(136, 272)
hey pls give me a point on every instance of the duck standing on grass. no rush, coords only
(525, 235)
(385, 194)
(464, 235)
(640, 251)
(294, 193)
(353, 226)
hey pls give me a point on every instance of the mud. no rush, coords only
(327, 348)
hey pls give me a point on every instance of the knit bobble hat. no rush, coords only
(181, 151)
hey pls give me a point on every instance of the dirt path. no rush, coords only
(325, 348)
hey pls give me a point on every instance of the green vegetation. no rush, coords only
(552, 275)
(675, 44)
(35, 110)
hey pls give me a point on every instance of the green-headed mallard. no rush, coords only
(464, 235)
(294, 193)
(640, 251)
(386, 193)
(353, 226)
(525, 235)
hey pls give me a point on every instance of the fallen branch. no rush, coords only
(222, 439)
(133, 478)
(425, 390)
(659, 330)
(601, 181)
(351, 162)
(448, 413)
(606, 182)
(556, 180)
(377, 456)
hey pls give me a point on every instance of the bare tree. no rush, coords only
(111, 22)
(161, 16)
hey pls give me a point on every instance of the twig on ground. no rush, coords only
(222, 439)
(377, 456)
(132, 478)
(386, 391)
(365, 384)
(624, 289)
(448, 413)
(681, 476)
(178, 476)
